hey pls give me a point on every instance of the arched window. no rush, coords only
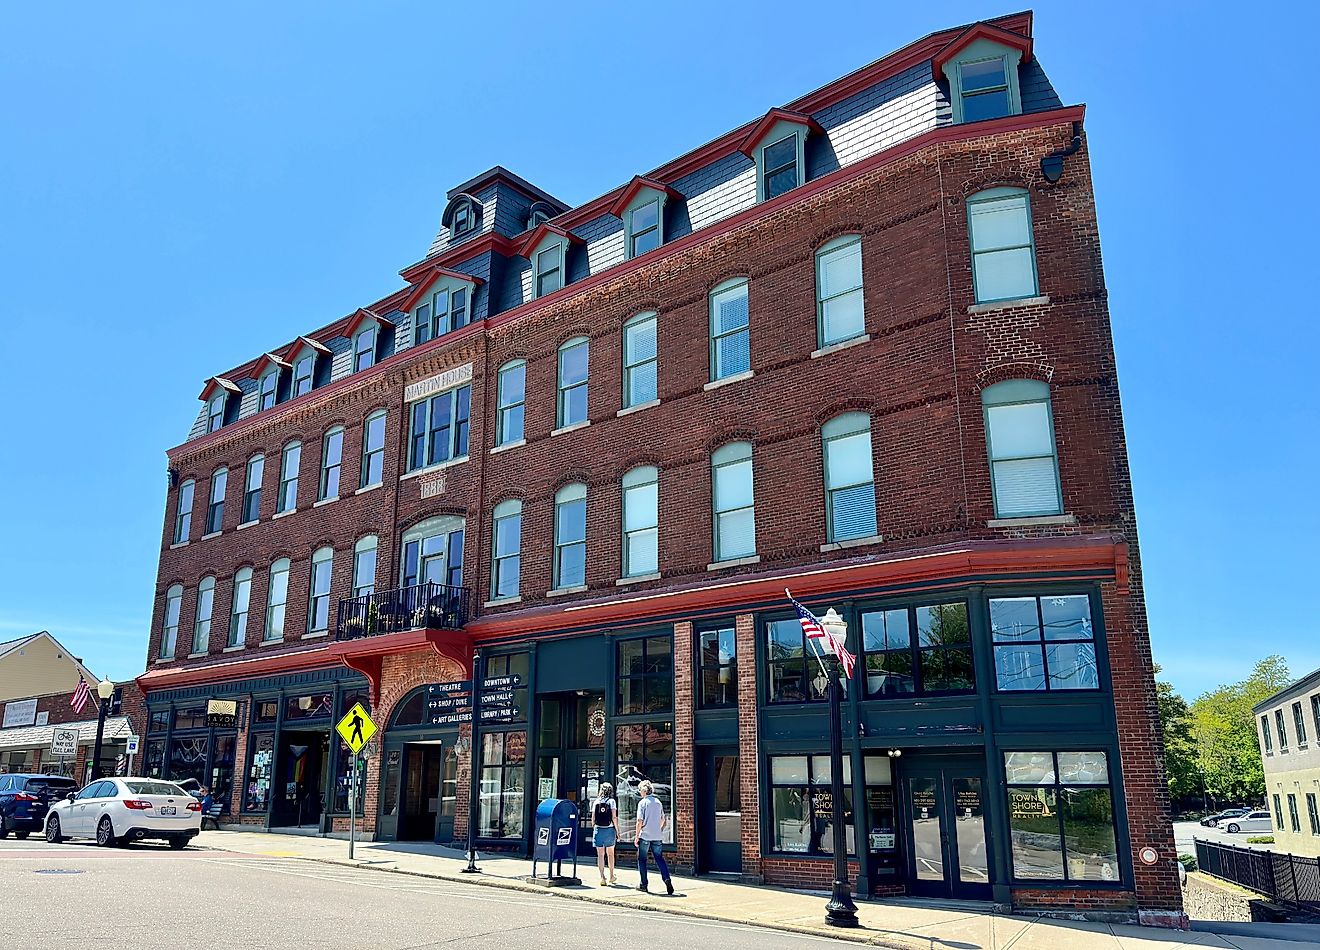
(215, 510)
(1019, 436)
(277, 596)
(183, 512)
(641, 521)
(169, 636)
(849, 477)
(318, 602)
(411, 710)
(730, 339)
(839, 310)
(539, 214)
(462, 215)
(373, 449)
(570, 567)
(572, 382)
(640, 383)
(332, 458)
(205, 606)
(507, 549)
(512, 402)
(256, 469)
(238, 615)
(364, 566)
(364, 348)
(290, 459)
(269, 390)
(734, 501)
(1003, 252)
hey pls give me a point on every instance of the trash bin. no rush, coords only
(556, 839)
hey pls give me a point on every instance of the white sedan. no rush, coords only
(1251, 821)
(120, 810)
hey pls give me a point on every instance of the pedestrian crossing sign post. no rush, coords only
(356, 729)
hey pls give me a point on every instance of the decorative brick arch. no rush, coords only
(401, 674)
(1018, 369)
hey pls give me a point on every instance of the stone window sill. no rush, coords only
(213, 534)
(437, 467)
(851, 543)
(640, 578)
(505, 446)
(366, 488)
(247, 524)
(841, 345)
(234, 649)
(638, 408)
(317, 635)
(284, 514)
(1040, 301)
(1031, 522)
(324, 501)
(735, 378)
(270, 643)
(561, 591)
(571, 428)
(195, 656)
(178, 544)
(734, 562)
(502, 601)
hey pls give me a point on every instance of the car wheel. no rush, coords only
(22, 835)
(105, 833)
(178, 844)
(1233, 828)
(53, 830)
(4, 830)
(1212, 823)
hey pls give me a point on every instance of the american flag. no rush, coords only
(80, 695)
(816, 633)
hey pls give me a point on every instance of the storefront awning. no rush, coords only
(33, 737)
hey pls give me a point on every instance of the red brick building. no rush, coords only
(859, 348)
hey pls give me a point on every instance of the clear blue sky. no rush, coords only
(182, 188)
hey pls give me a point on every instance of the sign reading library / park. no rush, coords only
(356, 728)
(448, 704)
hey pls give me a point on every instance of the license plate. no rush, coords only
(167, 810)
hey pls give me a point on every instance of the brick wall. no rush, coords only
(749, 755)
(685, 778)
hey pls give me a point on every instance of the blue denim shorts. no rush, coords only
(604, 836)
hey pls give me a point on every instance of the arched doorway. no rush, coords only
(419, 780)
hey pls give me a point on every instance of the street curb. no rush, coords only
(860, 935)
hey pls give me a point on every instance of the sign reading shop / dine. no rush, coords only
(449, 704)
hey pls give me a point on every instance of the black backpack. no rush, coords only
(602, 814)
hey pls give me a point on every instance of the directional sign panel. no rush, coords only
(356, 728)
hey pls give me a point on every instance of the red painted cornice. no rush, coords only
(243, 668)
(767, 122)
(978, 31)
(527, 247)
(435, 273)
(634, 188)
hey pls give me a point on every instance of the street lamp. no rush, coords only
(104, 689)
(840, 911)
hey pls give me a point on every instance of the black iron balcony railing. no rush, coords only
(419, 607)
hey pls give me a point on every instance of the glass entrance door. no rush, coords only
(720, 811)
(582, 785)
(947, 852)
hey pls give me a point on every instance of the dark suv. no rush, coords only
(25, 798)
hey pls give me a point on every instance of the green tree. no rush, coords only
(1223, 728)
(1181, 766)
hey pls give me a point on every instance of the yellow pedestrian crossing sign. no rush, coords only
(356, 728)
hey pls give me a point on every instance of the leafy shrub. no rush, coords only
(1261, 839)
(1188, 861)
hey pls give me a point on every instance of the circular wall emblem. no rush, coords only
(1149, 856)
(596, 722)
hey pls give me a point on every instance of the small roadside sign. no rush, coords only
(132, 745)
(356, 728)
(64, 742)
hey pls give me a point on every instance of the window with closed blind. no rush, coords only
(1019, 432)
(639, 360)
(730, 342)
(734, 501)
(849, 477)
(641, 521)
(839, 312)
(1003, 252)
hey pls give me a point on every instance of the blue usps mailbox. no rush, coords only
(556, 839)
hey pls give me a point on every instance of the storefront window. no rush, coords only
(795, 674)
(159, 721)
(262, 764)
(389, 790)
(914, 650)
(504, 689)
(344, 778)
(1043, 643)
(352, 696)
(718, 659)
(646, 676)
(222, 769)
(188, 758)
(644, 751)
(503, 759)
(153, 765)
(267, 710)
(1061, 814)
(314, 706)
(190, 718)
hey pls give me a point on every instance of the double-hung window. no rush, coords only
(983, 85)
(303, 374)
(202, 623)
(507, 550)
(277, 596)
(169, 637)
(373, 449)
(849, 477)
(1315, 713)
(779, 164)
(364, 566)
(549, 270)
(439, 428)
(644, 228)
(1043, 643)
(318, 605)
(1003, 252)
(332, 458)
(572, 389)
(238, 615)
(1313, 813)
(183, 513)
(570, 566)
(1265, 735)
(1299, 724)
(215, 412)
(734, 501)
(1019, 433)
(512, 401)
(640, 384)
(256, 468)
(1294, 823)
(839, 310)
(215, 511)
(730, 339)
(269, 390)
(364, 350)
(1281, 729)
(641, 521)
(290, 459)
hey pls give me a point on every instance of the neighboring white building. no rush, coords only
(1288, 727)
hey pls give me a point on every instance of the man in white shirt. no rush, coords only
(651, 823)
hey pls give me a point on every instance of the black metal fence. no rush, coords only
(1285, 878)
(419, 607)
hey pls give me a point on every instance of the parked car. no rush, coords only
(1213, 821)
(1251, 821)
(24, 800)
(120, 810)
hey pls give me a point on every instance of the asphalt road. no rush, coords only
(1185, 831)
(75, 896)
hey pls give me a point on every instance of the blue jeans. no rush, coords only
(645, 848)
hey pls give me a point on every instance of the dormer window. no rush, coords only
(549, 270)
(644, 228)
(268, 392)
(984, 87)
(221, 397)
(981, 66)
(304, 373)
(780, 163)
(778, 145)
(641, 206)
(364, 349)
(440, 302)
(215, 411)
(463, 218)
(547, 250)
(462, 215)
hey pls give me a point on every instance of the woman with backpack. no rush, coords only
(605, 829)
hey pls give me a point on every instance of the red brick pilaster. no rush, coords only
(685, 778)
(748, 748)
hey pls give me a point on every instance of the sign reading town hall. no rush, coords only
(450, 703)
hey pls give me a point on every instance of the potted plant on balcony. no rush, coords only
(354, 627)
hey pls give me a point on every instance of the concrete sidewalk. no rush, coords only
(906, 924)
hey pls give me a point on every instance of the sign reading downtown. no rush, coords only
(448, 704)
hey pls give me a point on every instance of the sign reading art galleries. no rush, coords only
(438, 383)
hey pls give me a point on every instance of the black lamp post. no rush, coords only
(840, 911)
(474, 771)
(104, 689)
